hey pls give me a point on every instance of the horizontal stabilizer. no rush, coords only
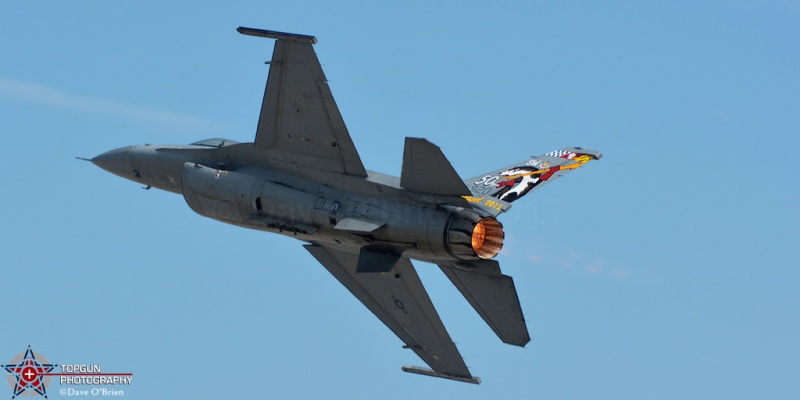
(376, 260)
(493, 296)
(430, 372)
(426, 170)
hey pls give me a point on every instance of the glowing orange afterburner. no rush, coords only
(487, 238)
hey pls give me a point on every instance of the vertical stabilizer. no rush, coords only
(501, 187)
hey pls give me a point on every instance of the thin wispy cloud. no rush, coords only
(576, 262)
(36, 93)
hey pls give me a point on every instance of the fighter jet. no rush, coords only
(302, 177)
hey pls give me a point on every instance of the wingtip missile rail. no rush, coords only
(276, 35)
(429, 372)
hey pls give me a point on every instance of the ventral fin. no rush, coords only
(376, 259)
(426, 170)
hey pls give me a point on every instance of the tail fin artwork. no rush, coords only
(495, 191)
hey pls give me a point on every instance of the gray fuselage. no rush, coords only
(240, 186)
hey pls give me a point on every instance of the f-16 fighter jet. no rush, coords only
(302, 177)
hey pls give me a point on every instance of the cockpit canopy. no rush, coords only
(215, 142)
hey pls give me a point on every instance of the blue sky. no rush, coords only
(665, 270)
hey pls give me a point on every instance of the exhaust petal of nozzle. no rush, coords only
(116, 161)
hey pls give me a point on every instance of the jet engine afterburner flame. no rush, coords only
(487, 238)
(470, 235)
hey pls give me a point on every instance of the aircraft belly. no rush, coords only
(263, 200)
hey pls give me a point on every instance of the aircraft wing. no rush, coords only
(400, 301)
(299, 117)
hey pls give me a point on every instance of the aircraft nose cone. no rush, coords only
(116, 161)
